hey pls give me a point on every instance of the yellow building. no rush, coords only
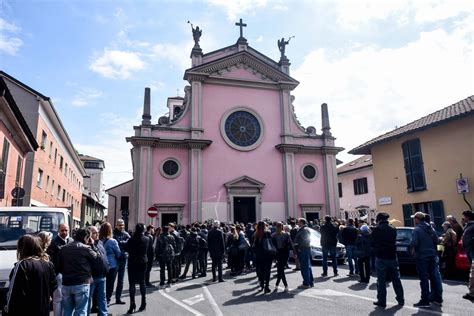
(417, 167)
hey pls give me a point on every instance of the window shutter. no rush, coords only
(366, 187)
(406, 160)
(416, 162)
(407, 212)
(438, 214)
(355, 187)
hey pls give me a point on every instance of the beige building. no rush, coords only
(417, 167)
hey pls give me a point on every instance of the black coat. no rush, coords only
(215, 243)
(329, 235)
(53, 250)
(384, 237)
(137, 248)
(349, 235)
(75, 263)
(33, 282)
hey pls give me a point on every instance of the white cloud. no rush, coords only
(176, 54)
(371, 90)
(9, 27)
(236, 8)
(123, 38)
(353, 14)
(9, 44)
(116, 64)
(85, 96)
(259, 39)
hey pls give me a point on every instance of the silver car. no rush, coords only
(317, 252)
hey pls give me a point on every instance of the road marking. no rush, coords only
(195, 299)
(214, 305)
(208, 295)
(186, 307)
(319, 293)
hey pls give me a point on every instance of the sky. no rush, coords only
(377, 64)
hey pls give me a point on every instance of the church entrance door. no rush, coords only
(244, 209)
(167, 218)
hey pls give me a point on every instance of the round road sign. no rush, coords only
(152, 211)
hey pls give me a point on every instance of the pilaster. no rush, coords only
(196, 109)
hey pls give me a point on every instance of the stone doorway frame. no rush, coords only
(244, 187)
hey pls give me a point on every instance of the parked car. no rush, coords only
(317, 252)
(404, 250)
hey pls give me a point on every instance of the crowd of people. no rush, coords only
(80, 275)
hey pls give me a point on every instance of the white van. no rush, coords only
(18, 221)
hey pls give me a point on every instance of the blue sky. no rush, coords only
(378, 64)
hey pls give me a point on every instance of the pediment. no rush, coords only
(244, 182)
(241, 65)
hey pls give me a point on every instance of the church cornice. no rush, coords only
(293, 148)
(138, 141)
(202, 72)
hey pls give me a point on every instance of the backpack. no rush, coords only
(179, 244)
(202, 243)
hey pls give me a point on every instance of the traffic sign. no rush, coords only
(152, 211)
(18, 192)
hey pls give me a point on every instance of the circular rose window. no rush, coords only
(309, 172)
(242, 129)
(170, 168)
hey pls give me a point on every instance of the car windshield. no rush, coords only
(13, 225)
(404, 234)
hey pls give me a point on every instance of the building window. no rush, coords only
(59, 192)
(50, 149)
(414, 172)
(65, 170)
(39, 180)
(44, 136)
(61, 161)
(360, 186)
(92, 165)
(52, 187)
(55, 155)
(242, 129)
(170, 168)
(64, 195)
(19, 168)
(309, 172)
(339, 187)
(3, 166)
(47, 183)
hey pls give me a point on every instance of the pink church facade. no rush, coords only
(232, 148)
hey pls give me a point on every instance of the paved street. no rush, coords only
(330, 296)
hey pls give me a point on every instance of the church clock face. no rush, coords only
(242, 129)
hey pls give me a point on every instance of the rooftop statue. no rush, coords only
(282, 43)
(197, 32)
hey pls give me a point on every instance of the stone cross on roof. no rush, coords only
(241, 25)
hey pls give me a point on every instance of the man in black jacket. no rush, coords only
(384, 237)
(150, 232)
(53, 251)
(75, 264)
(349, 237)
(191, 252)
(216, 245)
(329, 245)
(165, 245)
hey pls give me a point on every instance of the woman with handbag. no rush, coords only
(264, 253)
(114, 254)
(282, 242)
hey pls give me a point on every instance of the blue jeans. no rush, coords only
(98, 289)
(388, 268)
(305, 261)
(351, 258)
(75, 299)
(428, 272)
(122, 264)
(332, 251)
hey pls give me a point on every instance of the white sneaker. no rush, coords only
(286, 289)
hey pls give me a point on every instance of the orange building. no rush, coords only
(418, 167)
(16, 140)
(53, 175)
